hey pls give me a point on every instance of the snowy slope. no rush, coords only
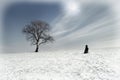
(64, 65)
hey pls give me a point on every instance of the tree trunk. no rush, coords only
(37, 47)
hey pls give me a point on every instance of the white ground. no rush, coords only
(64, 65)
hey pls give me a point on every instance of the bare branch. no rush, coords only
(38, 33)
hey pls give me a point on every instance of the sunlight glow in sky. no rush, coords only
(71, 7)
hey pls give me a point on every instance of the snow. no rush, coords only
(102, 64)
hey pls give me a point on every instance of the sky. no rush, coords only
(20, 14)
(74, 23)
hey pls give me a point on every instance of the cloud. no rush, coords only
(95, 24)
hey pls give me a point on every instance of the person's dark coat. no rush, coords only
(86, 49)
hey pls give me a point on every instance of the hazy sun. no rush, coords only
(72, 7)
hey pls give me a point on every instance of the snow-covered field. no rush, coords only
(65, 65)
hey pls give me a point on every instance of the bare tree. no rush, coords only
(38, 33)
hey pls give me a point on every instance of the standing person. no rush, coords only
(86, 49)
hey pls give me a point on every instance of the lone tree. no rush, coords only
(38, 33)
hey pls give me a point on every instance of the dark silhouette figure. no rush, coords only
(86, 49)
